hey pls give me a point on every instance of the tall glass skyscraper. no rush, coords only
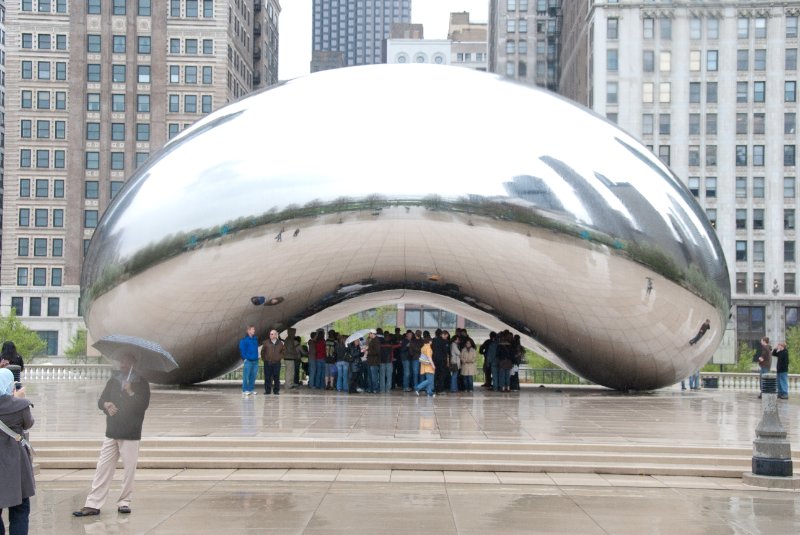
(355, 29)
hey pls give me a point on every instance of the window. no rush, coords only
(791, 27)
(760, 60)
(59, 159)
(711, 187)
(758, 155)
(93, 72)
(648, 61)
(742, 28)
(759, 123)
(207, 104)
(119, 44)
(143, 44)
(143, 103)
(42, 188)
(790, 91)
(760, 29)
(742, 60)
(712, 60)
(24, 187)
(741, 155)
(144, 8)
(27, 40)
(117, 131)
(758, 187)
(43, 100)
(25, 128)
(118, 74)
(694, 155)
(24, 217)
(789, 287)
(711, 155)
(93, 102)
(208, 46)
(612, 60)
(788, 219)
(58, 218)
(788, 251)
(58, 247)
(741, 91)
(42, 158)
(694, 92)
(190, 47)
(790, 59)
(22, 247)
(43, 70)
(758, 251)
(35, 306)
(612, 89)
(40, 217)
(612, 28)
(190, 103)
(92, 160)
(788, 187)
(789, 122)
(695, 28)
(665, 28)
(174, 46)
(22, 276)
(664, 124)
(172, 130)
(115, 187)
(711, 93)
(741, 218)
(694, 185)
(190, 74)
(759, 90)
(52, 310)
(119, 7)
(118, 102)
(174, 103)
(741, 123)
(665, 61)
(93, 43)
(91, 189)
(61, 70)
(16, 304)
(142, 131)
(694, 60)
(174, 8)
(143, 74)
(40, 247)
(648, 28)
(741, 251)
(92, 131)
(207, 75)
(117, 161)
(141, 157)
(39, 276)
(90, 218)
(26, 99)
(664, 92)
(58, 188)
(664, 154)
(191, 8)
(711, 214)
(758, 219)
(788, 155)
(25, 157)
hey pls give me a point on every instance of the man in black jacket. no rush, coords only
(124, 402)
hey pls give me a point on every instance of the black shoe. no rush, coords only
(124, 509)
(86, 511)
(783, 397)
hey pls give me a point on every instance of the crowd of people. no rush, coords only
(382, 361)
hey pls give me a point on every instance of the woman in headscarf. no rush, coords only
(16, 467)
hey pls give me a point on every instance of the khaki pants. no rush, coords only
(288, 372)
(112, 450)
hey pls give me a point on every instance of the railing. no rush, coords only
(66, 372)
(88, 372)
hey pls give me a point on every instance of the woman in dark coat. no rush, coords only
(16, 469)
(9, 356)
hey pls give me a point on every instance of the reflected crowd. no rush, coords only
(378, 361)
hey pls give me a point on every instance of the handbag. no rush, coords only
(756, 355)
(17, 438)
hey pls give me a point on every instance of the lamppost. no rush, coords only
(776, 309)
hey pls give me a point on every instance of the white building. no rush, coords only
(436, 51)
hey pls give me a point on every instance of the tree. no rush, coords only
(793, 345)
(28, 343)
(77, 346)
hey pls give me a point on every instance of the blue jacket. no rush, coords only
(248, 348)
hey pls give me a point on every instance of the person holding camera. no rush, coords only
(16, 465)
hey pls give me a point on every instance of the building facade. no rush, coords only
(469, 42)
(436, 51)
(94, 88)
(711, 88)
(524, 40)
(356, 28)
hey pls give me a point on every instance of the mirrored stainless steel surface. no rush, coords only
(360, 186)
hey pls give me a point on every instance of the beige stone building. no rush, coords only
(469, 42)
(93, 89)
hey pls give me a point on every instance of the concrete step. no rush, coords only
(247, 453)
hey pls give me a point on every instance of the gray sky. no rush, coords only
(295, 27)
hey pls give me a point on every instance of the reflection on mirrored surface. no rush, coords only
(496, 200)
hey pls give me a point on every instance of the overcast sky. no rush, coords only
(295, 27)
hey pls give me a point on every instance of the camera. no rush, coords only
(18, 385)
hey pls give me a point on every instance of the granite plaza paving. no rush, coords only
(281, 500)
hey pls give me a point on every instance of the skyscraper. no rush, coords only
(94, 88)
(712, 90)
(356, 28)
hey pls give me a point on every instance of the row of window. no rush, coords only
(116, 160)
(759, 63)
(758, 286)
(189, 103)
(46, 6)
(118, 131)
(756, 159)
(119, 73)
(743, 93)
(745, 27)
(190, 46)
(45, 70)
(45, 158)
(39, 277)
(35, 307)
(119, 44)
(44, 41)
(757, 220)
(757, 191)
(44, 100)
(41, 217)
(42, 188)
(757, 250)
(45, 129)
(190, 74)
(41, 246)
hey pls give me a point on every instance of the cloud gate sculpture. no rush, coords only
(357, 187)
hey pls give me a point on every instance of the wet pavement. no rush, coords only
(378, 501)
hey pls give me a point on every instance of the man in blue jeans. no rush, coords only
(248, 350)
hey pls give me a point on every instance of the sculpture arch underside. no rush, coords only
(599, 258)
